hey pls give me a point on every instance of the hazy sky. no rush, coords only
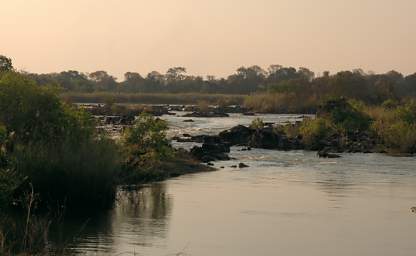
(208, 36)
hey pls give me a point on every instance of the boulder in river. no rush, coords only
(213, 149)
(238, 135)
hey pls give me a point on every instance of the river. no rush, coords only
(285, 203)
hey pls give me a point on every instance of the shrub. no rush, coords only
(203, 106)
(344, 115)
(55, 146)
(396, 127)
(313, 131)
(257, 124)
(280, 103)
(146, 141)
(390, 104)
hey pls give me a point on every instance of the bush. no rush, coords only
(313, 131)
(281, 103)
(55, 146)
(146, 141)
(257, 124)
(346, 116)
(396, 127)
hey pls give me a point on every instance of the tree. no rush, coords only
(133, 82)
(5, 64)
(146, 141)
(306, 74)
(73, 80)
(176, 74)
(104, 81)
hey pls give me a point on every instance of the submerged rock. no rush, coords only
(206, 114)
(326, 154)
(242, 165)
(413, 209)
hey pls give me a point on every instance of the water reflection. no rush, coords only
(140, 218)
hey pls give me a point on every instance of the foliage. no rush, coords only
(146, 141)
(300, 83)
(5, 64)
(203, 106)
(280, 103)
(313, 131)
(153, 98)
(257, 124)
(55, 146)
(36, 114)
(10, 181)
(344, 115)
(396, 127)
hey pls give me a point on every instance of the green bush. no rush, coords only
(56, 146)
(147, 150)
(313, 131)
(257, 124)
(407, 112)
(400, 137)
(146, 141)
(345, 115)
(396, 128)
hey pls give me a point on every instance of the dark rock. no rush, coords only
(249, 113)
(242, 165)
(210, 164)
(413, 209)
(233, 166)
(182, 140)
(206, 114)
(186, 135)
(188, 121)
(238, 135)
(326, 154)
(198, 138)
(213, 149)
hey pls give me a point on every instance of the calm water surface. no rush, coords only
(285, 203)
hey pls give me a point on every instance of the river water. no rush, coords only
(285, 203)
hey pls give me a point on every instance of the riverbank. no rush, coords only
(154, 98)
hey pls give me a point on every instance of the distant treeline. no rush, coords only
(369, 87)
(299, 83)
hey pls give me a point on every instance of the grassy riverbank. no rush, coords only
(153, 98)
(53, 160)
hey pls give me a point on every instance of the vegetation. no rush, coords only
(396, 126)
(149, 155)
(153, 98)
(287, 85)
(257, 124)
(52, 159)
(49, 144)
(344, 125)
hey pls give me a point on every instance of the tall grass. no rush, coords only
(284, 103)
(153, 98)
(396, 127)
(74, 176)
